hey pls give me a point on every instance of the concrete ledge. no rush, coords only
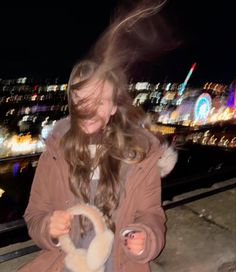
(201, 236)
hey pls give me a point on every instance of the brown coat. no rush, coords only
(139, 208)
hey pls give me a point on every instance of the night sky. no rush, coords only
(46, 42)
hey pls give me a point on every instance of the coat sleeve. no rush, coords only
(149, 216)
(39, 208)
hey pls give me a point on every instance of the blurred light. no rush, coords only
(1, 192)
(202, 107)
(142, 85)
(15, 168)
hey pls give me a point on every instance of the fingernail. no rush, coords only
(131, 235)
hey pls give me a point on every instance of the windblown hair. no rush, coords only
(118, 141)
(123, 138)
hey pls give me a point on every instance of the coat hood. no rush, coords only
(166, 162)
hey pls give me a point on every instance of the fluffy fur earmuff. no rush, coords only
(93, 258)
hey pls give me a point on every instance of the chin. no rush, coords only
(91, 131)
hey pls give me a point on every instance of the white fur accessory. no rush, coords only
(168, 160)
(93, 258)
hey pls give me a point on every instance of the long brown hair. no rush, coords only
(117, 142)
(123, 139)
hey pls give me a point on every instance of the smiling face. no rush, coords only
(96, 100)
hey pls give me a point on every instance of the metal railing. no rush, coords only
(19, 157)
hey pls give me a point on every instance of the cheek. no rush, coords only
(106, 111)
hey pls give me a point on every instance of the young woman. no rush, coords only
(102, 154)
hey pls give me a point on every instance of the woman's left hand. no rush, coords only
(135, 242)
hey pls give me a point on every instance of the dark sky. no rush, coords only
(46, 42)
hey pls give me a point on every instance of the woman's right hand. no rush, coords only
(60, 223)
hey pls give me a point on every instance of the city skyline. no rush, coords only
(47, 42)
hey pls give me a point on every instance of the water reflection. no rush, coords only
(15, 183)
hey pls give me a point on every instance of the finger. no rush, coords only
(135, 243)
(56, 232)
(67, 216)
(137, 250)
(60, 220)
(139, 246)
(134, 235)
(58, 227)
(134, 239)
